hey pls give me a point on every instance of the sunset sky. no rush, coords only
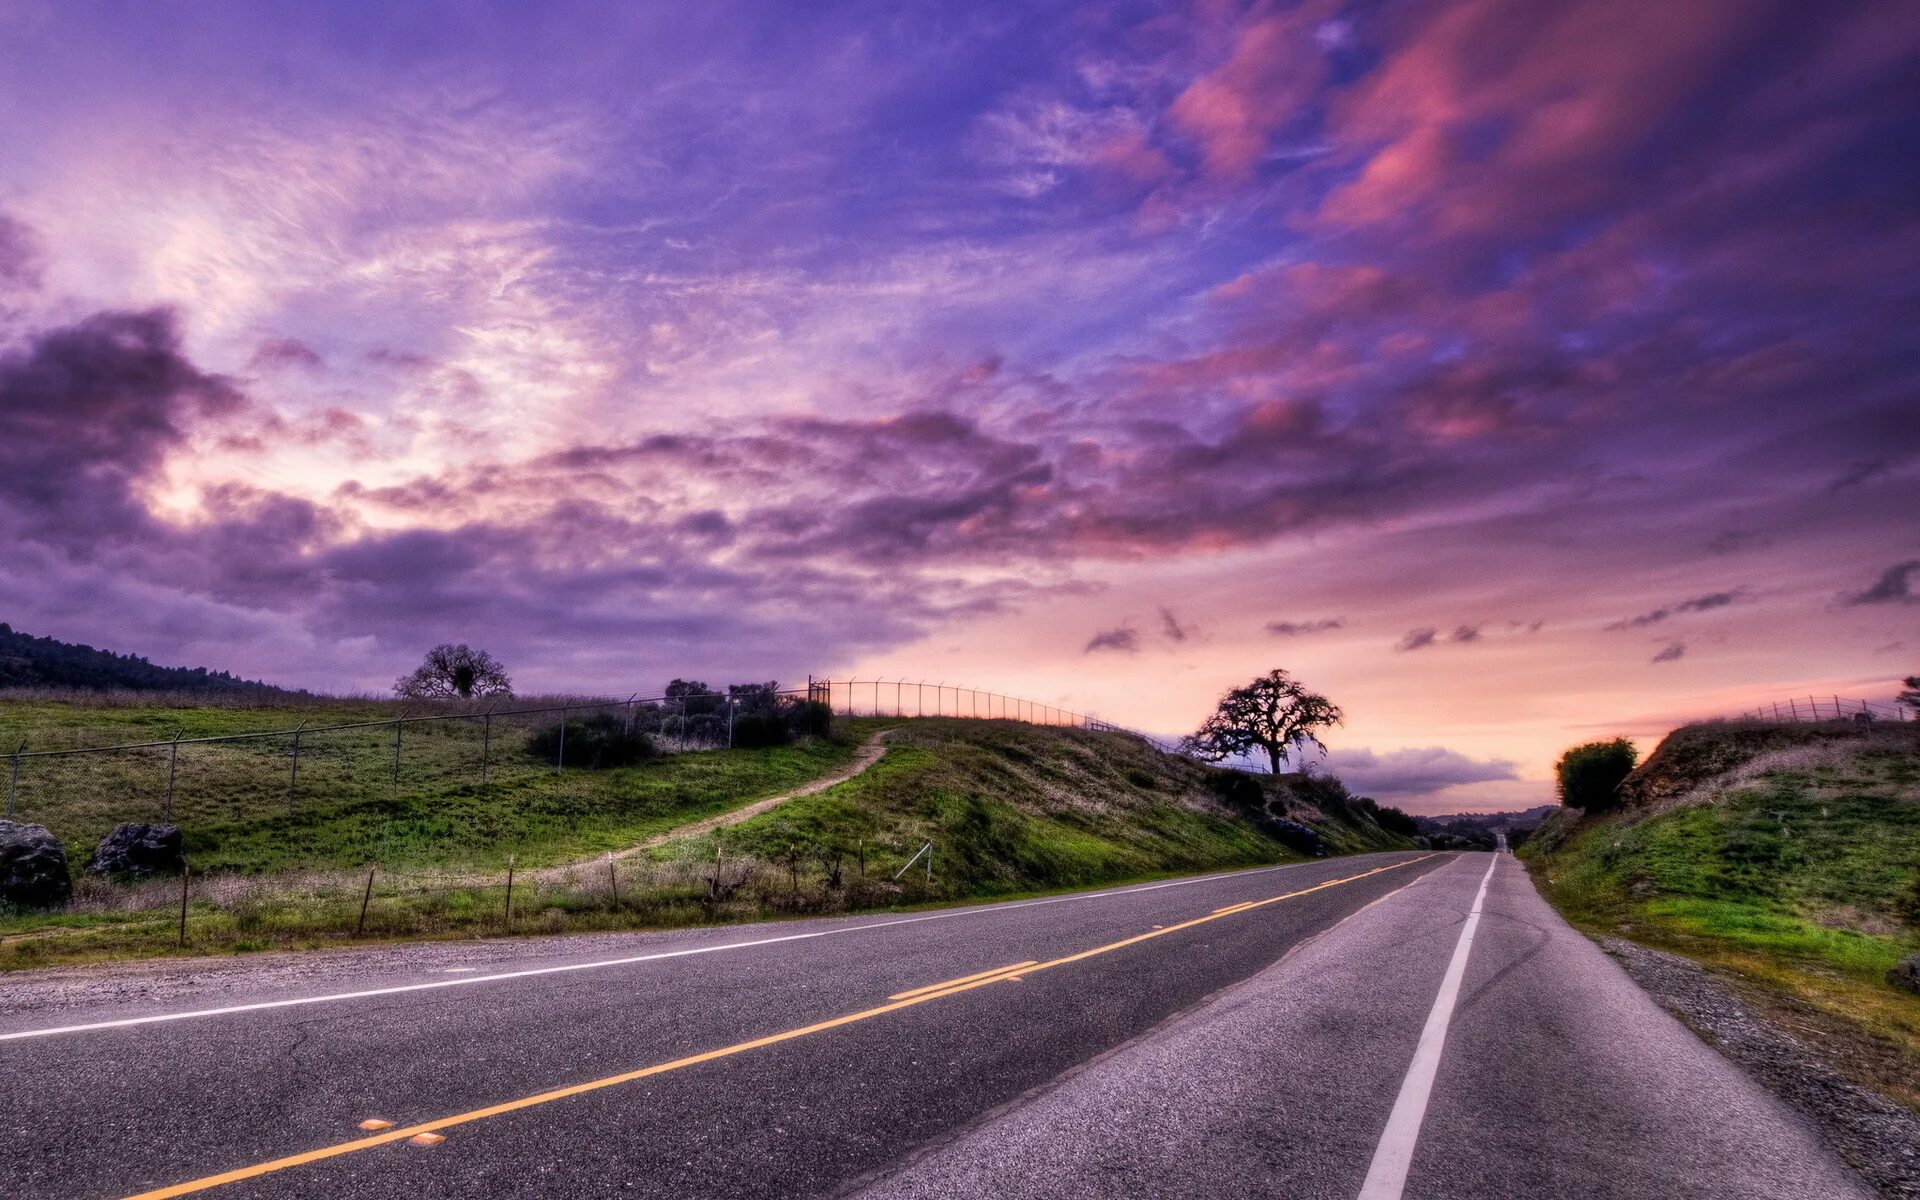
(1514, 373)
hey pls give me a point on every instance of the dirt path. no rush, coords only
(870, 752)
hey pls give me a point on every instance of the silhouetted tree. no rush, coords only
(1590, 775)
(450, 671)
(1274, 713)
(1909, 697)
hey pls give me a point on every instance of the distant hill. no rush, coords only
(28, 661)
(1523, 819)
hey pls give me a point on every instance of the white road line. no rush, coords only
(470, 980)
(1387, 1176)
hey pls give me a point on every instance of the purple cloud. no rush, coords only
(1304, 628)
(1122, 639)
(1706, 603)
(1414, 772)
(1895, 586)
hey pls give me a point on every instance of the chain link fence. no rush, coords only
(1829, 708)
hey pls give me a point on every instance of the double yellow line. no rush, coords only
(896, 1002)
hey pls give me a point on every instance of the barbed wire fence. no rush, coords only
(82, 783)
(1829, 708)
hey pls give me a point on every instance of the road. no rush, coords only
(1378, 1026)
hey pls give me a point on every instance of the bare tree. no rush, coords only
(1911, 695)
(1274, 713)
(449, 671)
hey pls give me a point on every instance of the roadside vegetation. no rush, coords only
(1787, 856)
(1009, 808)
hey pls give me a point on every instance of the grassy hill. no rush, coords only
(1787, 856)
(1009, 807)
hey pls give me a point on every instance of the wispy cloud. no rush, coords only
(1122, 639)
(1418, 639)
(1697, 604)
(1895, 586)
(1171, 628)
(1305, 628)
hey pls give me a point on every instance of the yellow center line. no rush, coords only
(1224, 909)
(936, 992)
(983, 975)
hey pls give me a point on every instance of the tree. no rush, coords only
(1274, 713)
(450, 670)
(1590, 775)
(1911, 695)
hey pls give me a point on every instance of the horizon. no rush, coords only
(1511, 380)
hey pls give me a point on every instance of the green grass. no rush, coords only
(1012, 809)
(242, 811)
(1802, 881)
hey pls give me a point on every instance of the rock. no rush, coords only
(137, 849)
(1296, 836)
(33, 867)
(1905, 974)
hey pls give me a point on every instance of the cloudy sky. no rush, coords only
(1513, 373)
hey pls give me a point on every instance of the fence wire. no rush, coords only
(1829, 708)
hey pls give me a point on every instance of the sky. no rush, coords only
(1514, 374)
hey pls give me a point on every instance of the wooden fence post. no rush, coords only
(185, 872)
(509, 891)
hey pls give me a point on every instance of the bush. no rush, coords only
(1590, 775)
(593, 742)
(754, 731)
(1389, 818)
(1238, 789)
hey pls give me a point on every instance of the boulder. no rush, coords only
(1905, 974)
(138, 849)
(1296, 836)
(33, 867)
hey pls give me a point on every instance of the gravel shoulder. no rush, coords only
(1876, 1137)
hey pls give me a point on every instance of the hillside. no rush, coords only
(1009, 808)
(43, 662)
(1014, 807)
(1785, 855)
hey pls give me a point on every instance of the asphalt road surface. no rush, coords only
(1380, 1026)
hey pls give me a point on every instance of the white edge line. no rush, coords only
(470, 980)
(1387, 1174)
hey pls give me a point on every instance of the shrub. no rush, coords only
(778, 720)
(594, 741)
(1389, 818)
(753, 731)
(1238, 789)
(1590, 775)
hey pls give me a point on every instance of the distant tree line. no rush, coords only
(28, 661)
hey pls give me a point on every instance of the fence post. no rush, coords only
(486, 744)
(560, 755)
(185, 873)
(293, 773)
(366, 898)
(613, 880)
(13, 781)
(397, 724)
(1793, 708)
(509, 891)
(173, 764)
